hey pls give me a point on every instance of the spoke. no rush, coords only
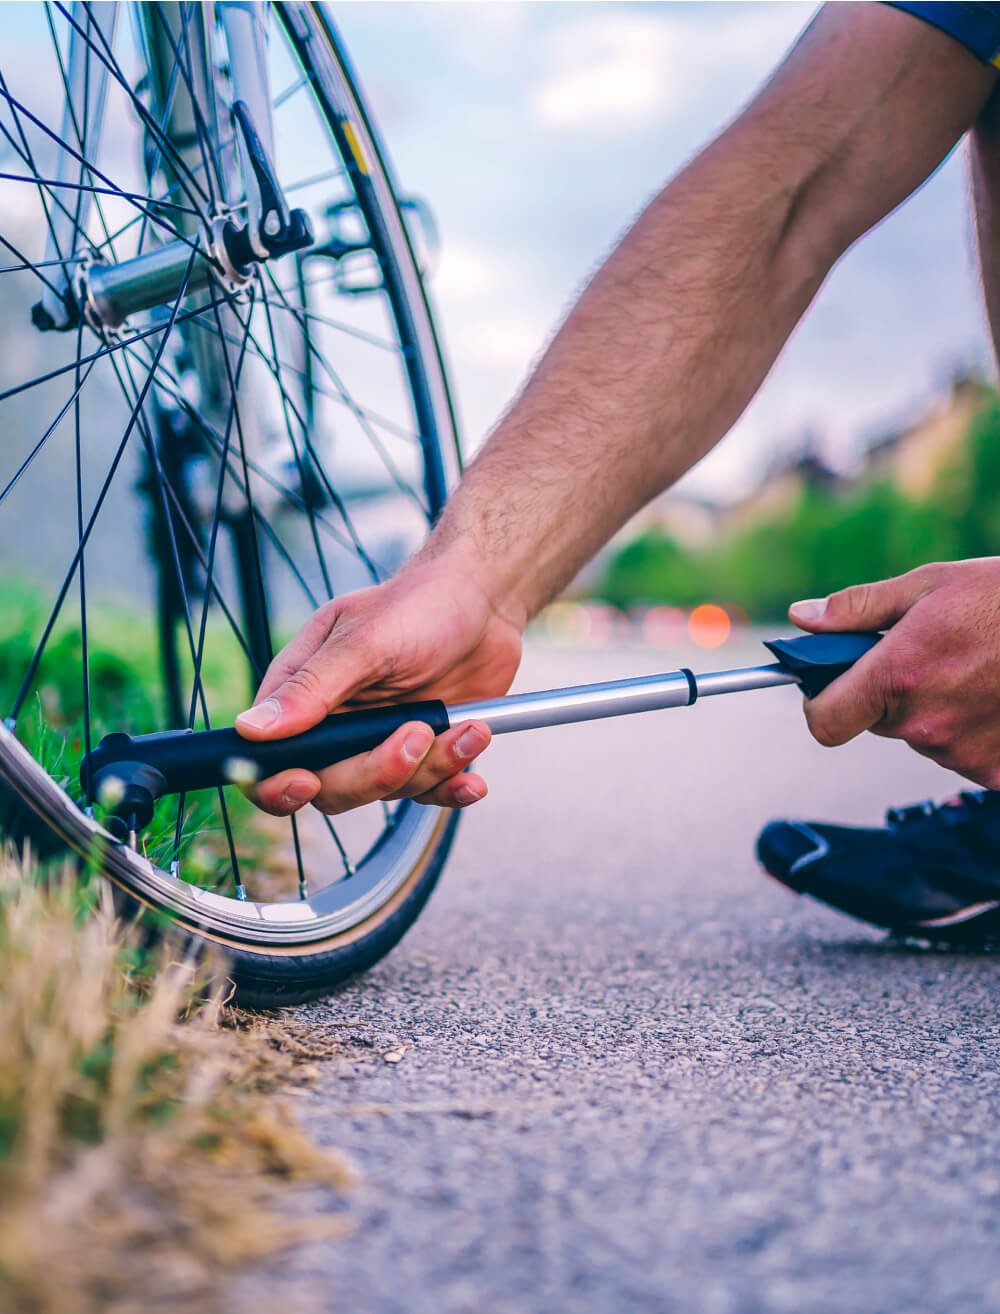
(303, 888)
(63, 75)
(120, 345)
(32, 670)
(326, 176)
(45, 436)
(140, 108)
(344, 858)
(81, 142)
(199, 551)
(234, 379)
(26, 155)
(39, 264)
(35, 181)
(77, 439)
(349, 329)
(261, 593)
(225, 144)
(82, 572)
(188, 76)
(44, 187)
(286, 403)
(90, 187)
(290, 91)
(80, 135)
(311, 510)
(320, 469)
(154, 164)
(170, 385)
(373, 417)
(27, 264)
(255, 516)
(198, 695)
(154, 218)
(356, 410)
(192, 536)
(141, 218)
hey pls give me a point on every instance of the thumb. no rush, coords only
(300, 696)
(861, 607)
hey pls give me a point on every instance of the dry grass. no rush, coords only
(144, 1158)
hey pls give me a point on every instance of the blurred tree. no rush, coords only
(827, 538)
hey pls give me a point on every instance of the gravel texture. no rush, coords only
(616, 1069)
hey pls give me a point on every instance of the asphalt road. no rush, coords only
(638, 1076)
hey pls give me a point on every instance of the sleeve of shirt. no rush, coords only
(975, 26)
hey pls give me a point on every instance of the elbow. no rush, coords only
(812, 237)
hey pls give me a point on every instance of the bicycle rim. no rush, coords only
(317, 511)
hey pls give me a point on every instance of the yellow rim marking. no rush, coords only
(360, 159)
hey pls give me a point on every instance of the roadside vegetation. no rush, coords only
(825, 540)
(145, 1158)
(125, 694)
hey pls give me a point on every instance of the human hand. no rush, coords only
(934, 679)
(430, 632)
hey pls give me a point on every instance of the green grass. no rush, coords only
(126, 693)
(825, 539)
(143, 1159)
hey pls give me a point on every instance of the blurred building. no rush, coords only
(786, 480)
(913, 457)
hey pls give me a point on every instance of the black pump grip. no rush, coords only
(180, 760)
(817, 659)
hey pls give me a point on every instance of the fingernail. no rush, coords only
(465, 794)
(261, 716)
(469, 743)
(299, 791)
(415, 745)
(811, 609)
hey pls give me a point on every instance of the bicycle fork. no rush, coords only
(225, 247)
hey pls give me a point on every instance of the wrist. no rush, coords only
(460, 563)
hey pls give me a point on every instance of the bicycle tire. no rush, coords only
(273, 958)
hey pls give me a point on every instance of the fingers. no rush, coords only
(458, 792)
(450, 753)
(866, 696)
(410, 764)
(309, 639)
(285, 793)
(307, 680)
(838, 715)
(864, 606)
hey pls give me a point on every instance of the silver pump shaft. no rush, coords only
(591, 702)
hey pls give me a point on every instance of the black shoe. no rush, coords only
(931, 873)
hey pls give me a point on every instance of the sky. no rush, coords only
(537, 132)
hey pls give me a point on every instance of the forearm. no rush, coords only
(985, 169)
(652, 367)
(676, 332)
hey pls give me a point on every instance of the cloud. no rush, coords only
(615, 69)
(465, 273)
(607, 66)
(507, 342)
(537, 129)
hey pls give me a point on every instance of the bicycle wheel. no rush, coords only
(286, 419)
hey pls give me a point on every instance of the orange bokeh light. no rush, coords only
(709, 625)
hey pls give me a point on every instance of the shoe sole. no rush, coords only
(951, 931)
